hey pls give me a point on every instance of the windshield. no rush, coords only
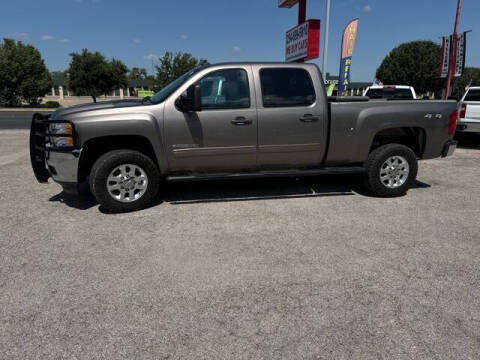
(389, 93)
(163, 94)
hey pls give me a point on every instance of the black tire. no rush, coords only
(373, 167)
(107, 163)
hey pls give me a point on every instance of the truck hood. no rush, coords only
(61, 114)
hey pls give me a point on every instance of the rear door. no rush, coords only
(292, 116)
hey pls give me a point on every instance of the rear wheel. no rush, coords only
(124, 180)
(391, 170)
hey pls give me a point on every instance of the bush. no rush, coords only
(52, 104)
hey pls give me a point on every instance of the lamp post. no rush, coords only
(325, 42)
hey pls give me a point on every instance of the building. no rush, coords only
(354, 89)
(65, 97)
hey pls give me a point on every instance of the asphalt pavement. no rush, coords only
(17, 119)
(309, 268)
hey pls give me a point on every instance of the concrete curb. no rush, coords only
(25, 110)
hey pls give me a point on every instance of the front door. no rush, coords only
(223, 136)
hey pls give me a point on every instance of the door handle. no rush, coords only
(309, 118)
(241, 121)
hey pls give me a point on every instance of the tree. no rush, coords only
(172, 67)
(459, 84)
(137, 74)
(23, 74)
(91, 74)
(416, 63)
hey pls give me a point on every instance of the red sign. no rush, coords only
(303, 41)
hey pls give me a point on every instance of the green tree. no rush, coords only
(23, 74)
(137, 74)
(173, 66)
(91, 74)
(416, 64)
(459, 83)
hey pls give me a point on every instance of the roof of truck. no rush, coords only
(259, 63)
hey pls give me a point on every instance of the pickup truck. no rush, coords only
(398, 92)
(237, 120)
(469, 106)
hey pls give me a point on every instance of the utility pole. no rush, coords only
(302, 16)
(325, 42)
(451, 71)
(302, 11)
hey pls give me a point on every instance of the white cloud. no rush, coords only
(151, 57)
(237, 49)
(64, 40)
(367, 8)
(137, 41)
(46, 37)
(20, 35)
(184, 37)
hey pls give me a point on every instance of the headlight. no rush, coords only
(59, 129)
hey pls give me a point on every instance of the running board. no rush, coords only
(269, 174)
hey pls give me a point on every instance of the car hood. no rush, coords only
(60, 114)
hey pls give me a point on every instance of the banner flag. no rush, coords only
(330, 89)
(460, 55)
(348, 44)
(445, 65)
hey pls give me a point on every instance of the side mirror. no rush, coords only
(192, 100)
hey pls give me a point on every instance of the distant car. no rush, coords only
(469, 111)
(398, 92)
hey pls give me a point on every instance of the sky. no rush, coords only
(227, 30)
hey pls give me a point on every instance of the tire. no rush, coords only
(395, 177)
(134, 191)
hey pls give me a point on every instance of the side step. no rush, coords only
(269, 174)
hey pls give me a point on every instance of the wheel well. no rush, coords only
(94, 148)
(412, 137)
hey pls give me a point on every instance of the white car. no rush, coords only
(469, 111)
(401, 92)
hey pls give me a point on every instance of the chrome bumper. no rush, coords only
(465, 126)
(63, 168)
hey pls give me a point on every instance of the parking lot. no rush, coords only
(276, 269)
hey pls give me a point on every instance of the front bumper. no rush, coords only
(59, 164)
(449, 148)
(63, 166)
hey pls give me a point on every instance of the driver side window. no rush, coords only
(225, 89)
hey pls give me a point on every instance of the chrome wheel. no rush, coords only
(394, 172)
(127, 183)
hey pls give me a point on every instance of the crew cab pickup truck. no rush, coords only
(237, 120)
(469, 105)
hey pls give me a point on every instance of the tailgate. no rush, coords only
(38, 130)
(473, 112)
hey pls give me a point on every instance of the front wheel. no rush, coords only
(124, 180)
(391, 170)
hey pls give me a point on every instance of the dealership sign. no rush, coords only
(287, 3)
(303, 41)
(453, 54)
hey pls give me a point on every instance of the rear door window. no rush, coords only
(286, 87)
(473, 95)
